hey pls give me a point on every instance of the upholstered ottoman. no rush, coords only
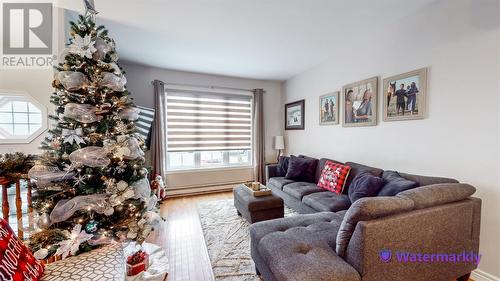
(255, 209)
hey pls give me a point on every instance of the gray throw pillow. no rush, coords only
(282, 167)
(298, 169)
(394, 184)
(365, 184)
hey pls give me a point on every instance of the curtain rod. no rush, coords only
(204, 86)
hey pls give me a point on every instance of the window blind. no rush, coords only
(144, 123)
(198, 121)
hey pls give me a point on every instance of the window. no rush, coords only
(21, 118)
(208, 130)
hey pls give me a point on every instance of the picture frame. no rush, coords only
(329, 108)
(408, 102)
(359, 103)
(295, 115)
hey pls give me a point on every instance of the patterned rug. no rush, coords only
(228, 241)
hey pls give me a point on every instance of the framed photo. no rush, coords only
(329, 109)
(294, 115)
(360, 103)
(405, 96)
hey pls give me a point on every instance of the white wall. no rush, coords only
(459, 40)
(139, 79)
(35, 82)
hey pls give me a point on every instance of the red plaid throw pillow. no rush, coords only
(16, 261)
(333, 177)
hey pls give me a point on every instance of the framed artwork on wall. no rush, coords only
(405, 96)
(294, 115)
(329, 109)
(360, 103)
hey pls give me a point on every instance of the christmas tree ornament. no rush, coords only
(71, 80)
(92, 156)
(102, 48)
(41, 254)
(73, 136)
(84, 47)
(83, 113)
(43, 221)
(91, 226)
(75, 238)
(121, 127)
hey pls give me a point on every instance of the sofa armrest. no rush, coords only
(271, 171)
(445, 229)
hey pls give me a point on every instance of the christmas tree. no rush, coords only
(91, 181)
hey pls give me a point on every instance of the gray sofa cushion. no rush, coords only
(301, 189)
(327, 201)
(438, 194)
(311, 262)
(368, 208)
(279, 182)
(297, 247)
(425, 180)
(356, 169)
(261, 229)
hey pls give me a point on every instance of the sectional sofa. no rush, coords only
(415, 235)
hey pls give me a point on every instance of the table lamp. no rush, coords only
(279, 144)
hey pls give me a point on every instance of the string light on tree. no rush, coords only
(87, 173)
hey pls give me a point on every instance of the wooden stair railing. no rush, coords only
(18, 203)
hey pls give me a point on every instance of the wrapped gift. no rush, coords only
(137, 263)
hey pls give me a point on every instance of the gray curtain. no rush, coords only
(159, 134)
(258, 135)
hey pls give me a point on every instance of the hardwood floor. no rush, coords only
(183, 238)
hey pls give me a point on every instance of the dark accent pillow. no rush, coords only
(395, 183)
(357, 168)
(311, 171)
(298, 169)
(365, 184)
(282, 167)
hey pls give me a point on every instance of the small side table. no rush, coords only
(255, 209)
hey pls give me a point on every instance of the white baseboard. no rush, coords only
(479, 275)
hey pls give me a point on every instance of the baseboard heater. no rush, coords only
(201, 189)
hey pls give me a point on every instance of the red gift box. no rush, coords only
(137, 263)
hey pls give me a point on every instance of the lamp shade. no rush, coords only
(279, 142)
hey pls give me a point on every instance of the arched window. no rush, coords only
(22, 118)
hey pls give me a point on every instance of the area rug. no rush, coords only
(228, 240)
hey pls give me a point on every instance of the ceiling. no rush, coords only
(261, 39)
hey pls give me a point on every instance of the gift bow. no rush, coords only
(73, 135)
